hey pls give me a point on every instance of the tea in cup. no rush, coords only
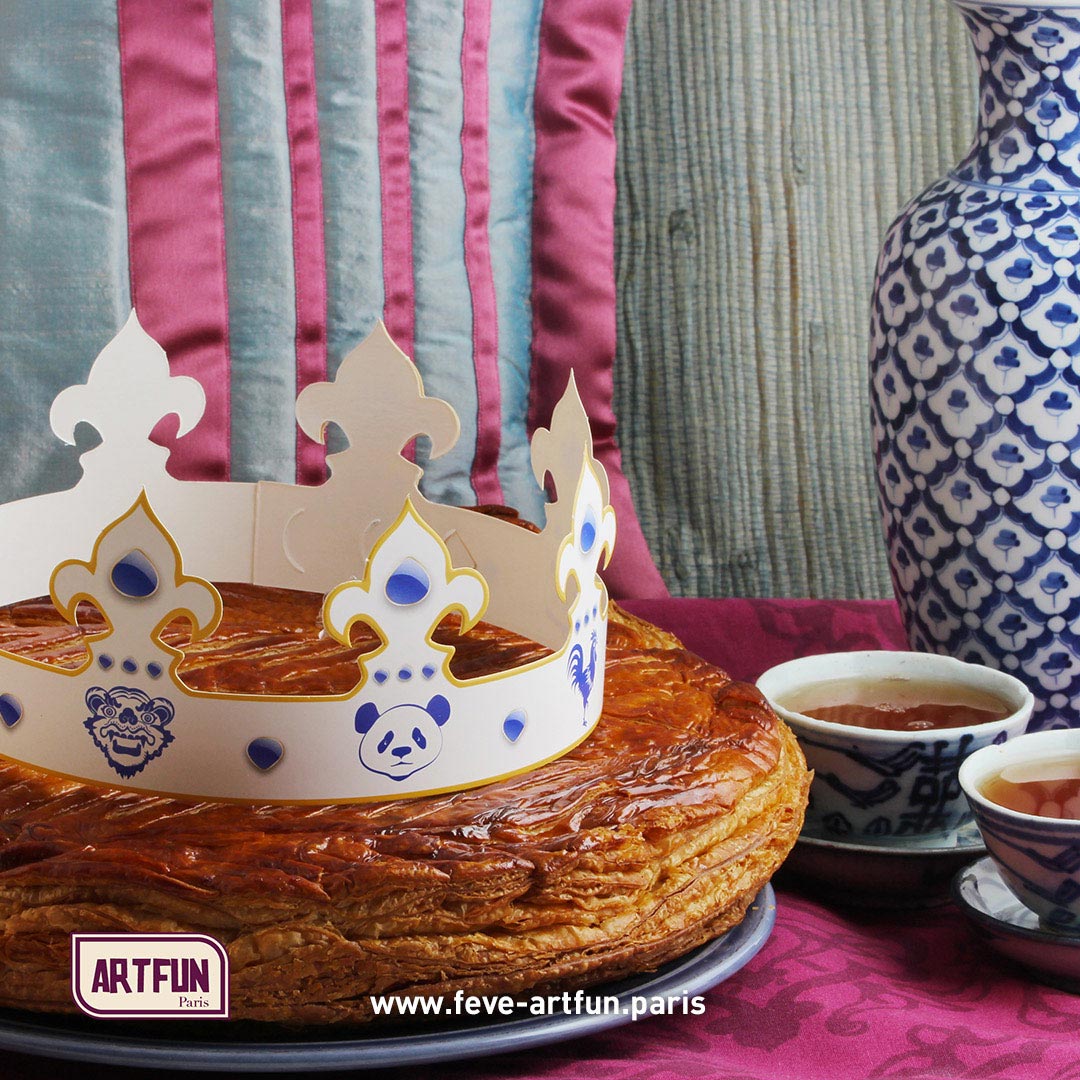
(886, 733)
(1026, 798)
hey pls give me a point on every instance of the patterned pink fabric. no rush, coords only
(309, 249)
(176, 223)
(579, 75)
(835, 994)
(745, 637)
(840, 995)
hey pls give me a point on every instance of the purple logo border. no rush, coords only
(221, 1013)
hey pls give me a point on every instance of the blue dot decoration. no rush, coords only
(428, 671)
(381, 676)
(11, 710)
(153, 669)
(514, 724)
(105, 661)
(587, 536)
(264, 753)
(134, 575)
(408, 584)
(129, 665)
(405, 674)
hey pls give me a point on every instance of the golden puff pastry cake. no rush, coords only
(646, 840)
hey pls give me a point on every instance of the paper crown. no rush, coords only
(143, 547)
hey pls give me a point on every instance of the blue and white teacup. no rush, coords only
(1037, 857)
(876, 786)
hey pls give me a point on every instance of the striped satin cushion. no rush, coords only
(263, 181)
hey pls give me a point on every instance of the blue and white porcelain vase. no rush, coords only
(975, 371)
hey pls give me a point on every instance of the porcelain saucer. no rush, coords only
(1013, 930)
(904, 873)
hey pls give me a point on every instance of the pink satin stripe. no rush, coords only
(578, 80)
(309, 248)
(392, 73)
(176, 226)
(474, 173)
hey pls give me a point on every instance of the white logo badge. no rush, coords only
(143, 975)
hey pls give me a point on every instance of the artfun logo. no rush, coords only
(134, 976)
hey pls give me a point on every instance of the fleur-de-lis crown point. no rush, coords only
(128, 391)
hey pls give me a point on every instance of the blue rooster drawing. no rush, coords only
(582, 676)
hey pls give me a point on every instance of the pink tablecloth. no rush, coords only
(834, 994)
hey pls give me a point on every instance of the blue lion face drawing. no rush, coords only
(128, 726)
(403, 740)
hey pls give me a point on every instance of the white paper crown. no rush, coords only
(143, 547)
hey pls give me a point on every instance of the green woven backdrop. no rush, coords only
(764, 147)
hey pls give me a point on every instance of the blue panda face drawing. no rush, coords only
(403, 740)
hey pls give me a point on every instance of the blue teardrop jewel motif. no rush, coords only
(11, 710)
(134, 575)
(587, 537)
(264, 753)
(514, 725)
(408, 584)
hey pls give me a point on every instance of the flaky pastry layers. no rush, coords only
(648, 839)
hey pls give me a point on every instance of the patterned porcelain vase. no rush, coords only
(975, 371)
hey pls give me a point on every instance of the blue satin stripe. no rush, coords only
(515, 30)
(348, 136)
(443, 337)
(258, 240)
(64, 284)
